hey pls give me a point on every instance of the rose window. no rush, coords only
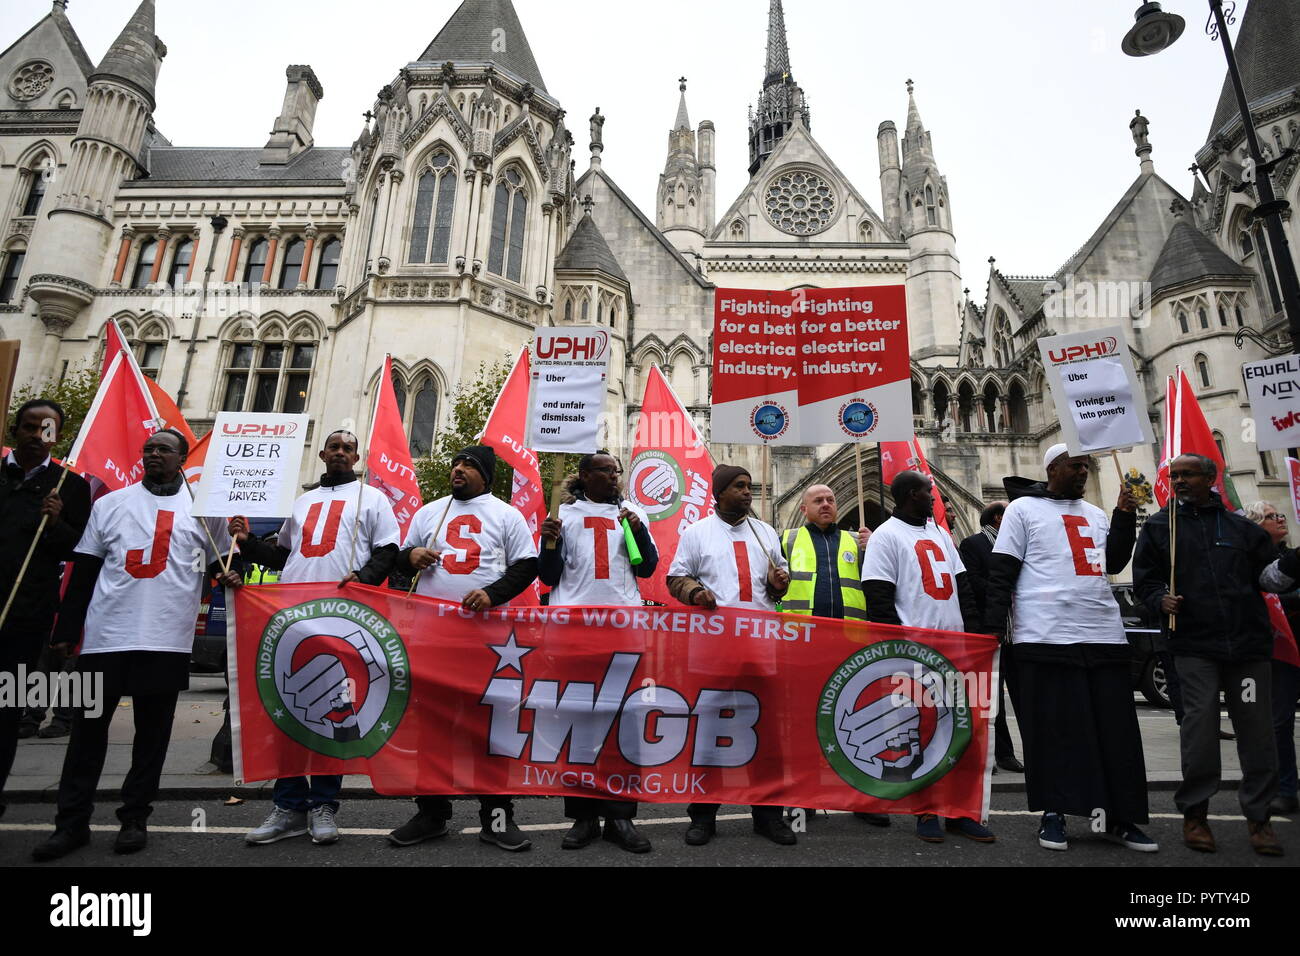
(31, 80)
(800, 203)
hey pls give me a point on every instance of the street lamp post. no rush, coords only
(1156, 30)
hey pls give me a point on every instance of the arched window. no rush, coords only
(181, 260)
(1223, 315)
(1203, 370)
(965, 406)
(36, 192)
(1264, 267)
(931, 216)
(940, 403)
(1017, 409)
(1202, 317)
(509, 215)
(268, 376)
(1266, 465)
(424, 418)
(12, 272)
(1003, 347)
(291, 268)
(568, 310)
(399, 392)
(865, 233)
(435, 208)
(255, 268)
(1182, 321)
(327, 274)
(992, 414)
(1241, 321)
(150, 348)
(1247, 247)
(586, 309)
(738, 231)
(144, 264)
(1220, 444)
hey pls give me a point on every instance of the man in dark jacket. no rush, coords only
(1221, 640)
(976, 551)
(27, 482)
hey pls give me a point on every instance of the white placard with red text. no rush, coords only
(1273, 389)
(570, 381)
(1099, 400)
(252, 466)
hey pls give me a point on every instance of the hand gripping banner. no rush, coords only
(663, 705)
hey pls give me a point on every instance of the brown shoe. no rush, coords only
(1262, 838)
(1197, 835)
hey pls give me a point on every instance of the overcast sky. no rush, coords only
(1028, 101)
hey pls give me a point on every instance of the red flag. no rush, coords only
(119, 422)
(897, 457)
(506, 433)
(388, 459)
(113, 343)
(168, 413)
(842, 715)
(194, 461)
(670, 477)
(1188, 433)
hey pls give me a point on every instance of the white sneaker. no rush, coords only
(320, 821)
(280, 825)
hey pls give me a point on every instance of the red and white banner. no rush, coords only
(897, 457)
(388, 454)
(811, 366)
(505, 433)
(670, 478)
(119, 422)
(1187, 432)
(1293, 478)
(662, 705)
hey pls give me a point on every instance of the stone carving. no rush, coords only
(597, 130)
(1139, 127)
(31, 80)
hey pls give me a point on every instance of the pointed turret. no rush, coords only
(135, 55)
(685, 205)
(486, 31)
(683, 117)
(781, 102)
(1268, 55)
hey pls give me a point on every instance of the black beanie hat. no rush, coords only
(724, 475)
(481, 457)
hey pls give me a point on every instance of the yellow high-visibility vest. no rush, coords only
(801, 552)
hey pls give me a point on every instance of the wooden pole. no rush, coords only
(767, 500)
(557, 492)
(432, 538)
(31, 550)
(230, 557)
(1173, 546)
(862, 497)
(1118, 469)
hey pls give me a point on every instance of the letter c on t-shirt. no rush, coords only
(929, 554)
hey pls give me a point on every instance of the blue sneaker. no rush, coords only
(928, 828)
(971, 829)
(1051, 832)
(1130, 836)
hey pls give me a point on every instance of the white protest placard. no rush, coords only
(1273, 388)
(570, 381)
(1098, 397)
(252, 466)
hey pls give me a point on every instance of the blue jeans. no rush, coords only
(307, 793)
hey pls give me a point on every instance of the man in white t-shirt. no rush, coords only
(476, 550)
(135, 589)
(1083, 748)
(323, 540)
(912, 576)
(731, 559)
(589, 564)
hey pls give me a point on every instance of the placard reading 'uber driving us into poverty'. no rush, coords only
(570, 379)
(252, 466)
(1096, 391)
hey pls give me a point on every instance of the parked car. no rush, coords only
(1143, 634)
(209, 653)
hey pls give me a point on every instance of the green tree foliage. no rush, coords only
(471, 404)
(75, 392)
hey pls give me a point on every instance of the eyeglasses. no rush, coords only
(1276, 516)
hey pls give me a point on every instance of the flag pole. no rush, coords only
(384, 373)
(432, 539)
(1175, 436)
(768, 502)
(862, 498)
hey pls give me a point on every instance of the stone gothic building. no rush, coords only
(460, 219)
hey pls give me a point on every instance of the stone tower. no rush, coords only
(781, 97)
(686, 188)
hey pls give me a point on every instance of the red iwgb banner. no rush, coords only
(661, 705)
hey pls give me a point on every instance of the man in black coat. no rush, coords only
(976, 552)
(1221, 640)
(27, 482)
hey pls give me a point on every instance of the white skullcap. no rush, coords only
(1053, 453)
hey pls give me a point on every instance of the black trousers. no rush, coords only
(708, 813)
(440, 807)
(590, 808)
(1003, 747)
(88, 746)
(16, 647)
(10, 718)
(52, 662)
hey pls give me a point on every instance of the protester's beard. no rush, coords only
(462, 493)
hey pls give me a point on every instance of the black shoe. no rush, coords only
(1010, 764)
(1226, 734)
(509, 837)
(61, 843)
(419, 828)
(55, 729)
(875, 819)
(778, 831)
(1283, 805)
(581, 834)
(700, 832)
(623, 833)
(131, 838)
(26, 730)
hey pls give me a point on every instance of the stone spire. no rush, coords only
(681, 209)
(135, 55)
(781, 101)
(916, 141)
(683, 118)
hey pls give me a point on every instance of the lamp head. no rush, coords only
(1154, 31)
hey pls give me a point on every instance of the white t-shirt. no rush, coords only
(478, 540)
(156, 556)
(597, 571)
(319, 532)
(1062, 595)
(730, 560)
(922, 564)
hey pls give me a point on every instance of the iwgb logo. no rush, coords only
(579, 347)
(893, 719)
(1076, 353)
(335, 676)
(254, 430)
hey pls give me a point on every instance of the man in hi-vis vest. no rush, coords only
(826, 574)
